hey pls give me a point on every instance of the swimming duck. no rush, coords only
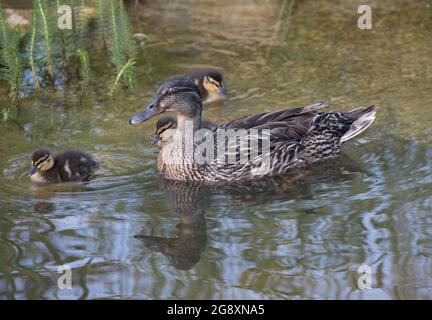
(210, 84)
(166, 127)
(295, 137)
(66, 166)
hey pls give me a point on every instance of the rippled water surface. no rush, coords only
(302, 236)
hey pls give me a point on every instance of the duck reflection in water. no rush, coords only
(189, 200)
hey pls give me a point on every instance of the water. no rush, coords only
(300, 237)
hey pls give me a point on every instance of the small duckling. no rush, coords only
(210, 84)
(166, 127)
(66, 166)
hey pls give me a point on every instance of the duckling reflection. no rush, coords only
(189, 200)
(44, 207)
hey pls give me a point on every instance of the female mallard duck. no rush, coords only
(210, 84)
(67, 166)
(166, 127)
(295, 137)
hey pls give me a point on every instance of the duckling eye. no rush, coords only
(213, 81)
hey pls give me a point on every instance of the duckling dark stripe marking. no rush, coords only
(212, 81)
(162, 129)
(41, 160)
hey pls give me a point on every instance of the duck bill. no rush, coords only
(149, 112)
(222, 91)
(156, 139)
(32, 171)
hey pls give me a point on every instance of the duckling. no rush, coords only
(295, 138)
(166, 127)
(66, 166)
(210, 84)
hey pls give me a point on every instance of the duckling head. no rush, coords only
(42, 161)
(210, 84)
(179, 94)
(165, 129)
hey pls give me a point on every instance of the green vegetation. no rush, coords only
(84, 67)
(46, 30)
(120, 43)
(7, 113)
(50, 52)
(126, 72)
(11, 64)
(31, 50)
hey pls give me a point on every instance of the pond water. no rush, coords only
(301, 237)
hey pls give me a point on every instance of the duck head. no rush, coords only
(210, 84)
(165, 129)
(42, 160)
(180, 95)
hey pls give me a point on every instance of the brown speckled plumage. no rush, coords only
(298, 137)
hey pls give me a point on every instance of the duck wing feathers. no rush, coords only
(265, 119)
(298, 136)
(289, 125)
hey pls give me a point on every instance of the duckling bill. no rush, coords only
(64, 167)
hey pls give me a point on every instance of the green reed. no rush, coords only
(50, 50)
(11, 63)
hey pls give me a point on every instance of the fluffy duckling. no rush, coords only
(66, 166)
(166, 127)
(210, 84)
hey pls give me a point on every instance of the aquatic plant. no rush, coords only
(10, 59)
(84, 67)
(50, 50)
(102, 23)
(80, 23)
(64, 37)
(121, 45)
(125, 27)
(30, 47)
(127, 71)
(47, 29)
(8, 113)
